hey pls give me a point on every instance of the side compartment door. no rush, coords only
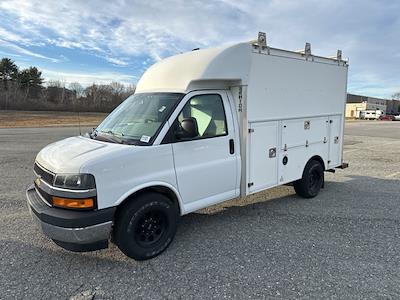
(301, 139)
(335, 141)
(205, 164)
(263, 168)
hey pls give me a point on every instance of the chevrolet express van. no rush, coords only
(202, 127)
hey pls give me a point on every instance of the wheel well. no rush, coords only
(319, 159)
(156, 189)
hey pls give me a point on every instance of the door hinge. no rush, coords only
(251, 130)
(250, 184)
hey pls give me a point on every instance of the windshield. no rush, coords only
(138, 119)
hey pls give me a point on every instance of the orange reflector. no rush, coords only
(73, 203)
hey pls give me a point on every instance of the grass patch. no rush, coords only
(14, 118)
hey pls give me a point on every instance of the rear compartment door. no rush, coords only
(335, 141)
(263, 168)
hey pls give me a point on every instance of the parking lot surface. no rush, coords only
(342, 244)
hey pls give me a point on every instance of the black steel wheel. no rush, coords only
(146, 226)
(312, 181)
(150, 228)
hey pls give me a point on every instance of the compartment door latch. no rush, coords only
(272, 152)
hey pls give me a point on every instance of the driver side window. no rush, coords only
(203, 116)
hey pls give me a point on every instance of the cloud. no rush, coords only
(13, 37)
(9, 54)
(372, 84)
(116, 61)
(24, 51)
(158, 29)
(87, 78)
(121, 31)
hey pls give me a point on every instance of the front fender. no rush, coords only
(149, 185)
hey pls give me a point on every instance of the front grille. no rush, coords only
(36, 201)
(44, 174)
(44, 195)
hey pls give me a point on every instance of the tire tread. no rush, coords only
(300, 186)
(124, 217)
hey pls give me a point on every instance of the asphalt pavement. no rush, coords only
(342, 244)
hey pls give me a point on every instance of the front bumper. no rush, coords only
(70, 229)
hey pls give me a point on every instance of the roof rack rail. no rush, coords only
(261, 42)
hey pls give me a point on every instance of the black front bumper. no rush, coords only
(72, 230)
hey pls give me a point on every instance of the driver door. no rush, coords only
(206, 163)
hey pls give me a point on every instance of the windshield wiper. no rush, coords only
(114, 138)
(108, 136)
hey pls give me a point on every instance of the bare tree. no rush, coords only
(91, 93)
(130, 90)
(25, 90)
(77, 88)
(56, 91)
(117, 88)
(396, 96)
(55, 83)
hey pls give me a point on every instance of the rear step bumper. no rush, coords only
(344, 165)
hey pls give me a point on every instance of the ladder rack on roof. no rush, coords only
(261, 45)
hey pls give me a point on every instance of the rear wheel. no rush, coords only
(146, 226)
(312, 181)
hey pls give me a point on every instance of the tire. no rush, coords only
(146, 226)
(312, 181)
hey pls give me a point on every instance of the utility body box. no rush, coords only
(289, 105)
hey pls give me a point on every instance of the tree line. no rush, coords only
(26, 90)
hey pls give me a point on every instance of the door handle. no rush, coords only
(231, 146)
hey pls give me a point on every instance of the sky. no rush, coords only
(102, 41)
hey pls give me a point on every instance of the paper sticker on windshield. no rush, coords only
(162, 108)
(145, 139)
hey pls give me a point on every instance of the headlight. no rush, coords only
(75, 181)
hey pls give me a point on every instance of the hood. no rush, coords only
(68, 155)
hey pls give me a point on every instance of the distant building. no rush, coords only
(393, 107)
(357, 103)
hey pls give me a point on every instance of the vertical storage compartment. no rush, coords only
(335, 141)
(263, 147)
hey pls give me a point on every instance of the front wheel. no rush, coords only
(146, 226)
(312, 181)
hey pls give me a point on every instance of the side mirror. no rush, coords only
(188, 129)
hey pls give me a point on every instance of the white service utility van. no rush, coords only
(202, 127)
(371, 114)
